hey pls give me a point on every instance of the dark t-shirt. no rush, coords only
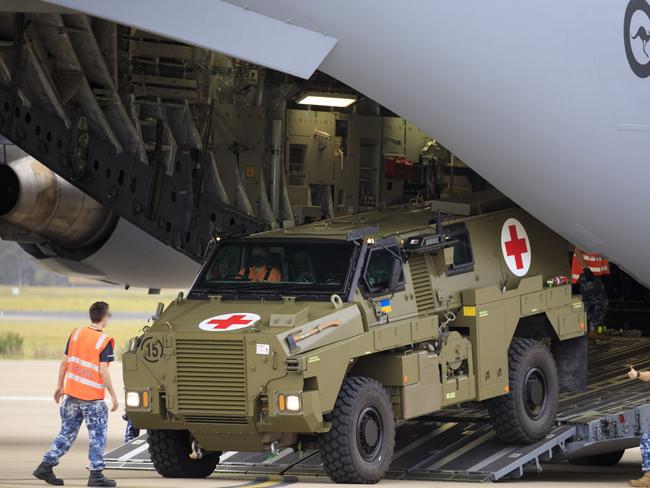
(106, 356)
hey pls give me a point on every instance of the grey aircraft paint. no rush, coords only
(541, 99)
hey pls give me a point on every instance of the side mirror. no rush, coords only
(395, 274)
(448, 253)
(443, 259)
(216, 239)
(208, 250)
(159, 310)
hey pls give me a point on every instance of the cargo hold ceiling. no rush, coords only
(222, 27)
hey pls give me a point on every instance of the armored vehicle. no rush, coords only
(331, 333)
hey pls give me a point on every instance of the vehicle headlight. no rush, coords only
(132, 399)
(293, 403)
(135, 399)
(289, 403)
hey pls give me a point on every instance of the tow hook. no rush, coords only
(274, 448)
(197, 452)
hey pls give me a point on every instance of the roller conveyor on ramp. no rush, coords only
(459, 445)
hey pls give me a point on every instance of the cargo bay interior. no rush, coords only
(188, 144)
(184, 142)
(216, 143)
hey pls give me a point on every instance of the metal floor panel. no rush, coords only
(458, 444)
(263, 463)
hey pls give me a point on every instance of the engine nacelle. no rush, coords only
(69, 232)
(42, 208)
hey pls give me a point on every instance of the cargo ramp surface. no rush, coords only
(459, 444)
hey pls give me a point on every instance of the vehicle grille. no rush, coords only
(214, 419)
(211, 377)
(421, 283)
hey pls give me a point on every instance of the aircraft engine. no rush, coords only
(43, 208)
(69, 232)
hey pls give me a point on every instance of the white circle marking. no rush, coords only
(515, 247)
(228, 322)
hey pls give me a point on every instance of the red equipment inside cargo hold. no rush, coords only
(398, 167)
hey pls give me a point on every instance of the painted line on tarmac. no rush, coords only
(272, 483)
(26, 398)
(262, 483)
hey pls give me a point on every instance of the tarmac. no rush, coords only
(29, 420)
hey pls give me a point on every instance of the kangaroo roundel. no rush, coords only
(515, 247)
(229, 321)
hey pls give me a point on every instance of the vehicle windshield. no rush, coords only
(250, 266)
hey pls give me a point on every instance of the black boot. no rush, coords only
(98, 479)
(44, 472)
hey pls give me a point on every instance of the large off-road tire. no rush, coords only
(605, 459)
(359, 447)
(526, 414)
(170, 453)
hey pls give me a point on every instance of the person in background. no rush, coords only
(260, 268)
(83, 378)
(586, 270)
(131, 431)
(644, 376)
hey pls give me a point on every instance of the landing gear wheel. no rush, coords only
(359, 447)
(526, 414)
(606, 459)
(170, 453)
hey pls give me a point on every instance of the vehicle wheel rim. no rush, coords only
(370, 429)
(535, 393)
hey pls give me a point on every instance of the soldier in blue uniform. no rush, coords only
(83, 378)
(131, 431)
(594, 296)
(73, 413)
(644, 481)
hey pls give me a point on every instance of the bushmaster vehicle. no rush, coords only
(331, 333)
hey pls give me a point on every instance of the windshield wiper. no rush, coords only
(216, 291)
(261, 287)
(308, 286)
(235, 287)
(198, 291)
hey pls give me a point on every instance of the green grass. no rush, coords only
(69, 299)
(11, 344)
(46, 338)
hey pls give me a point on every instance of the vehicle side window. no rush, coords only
(463, 257)
(376, 279)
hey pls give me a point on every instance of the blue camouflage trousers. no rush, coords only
(131, 431)
(73, 413)
(645, 452)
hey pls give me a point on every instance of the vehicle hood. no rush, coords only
(277, 318)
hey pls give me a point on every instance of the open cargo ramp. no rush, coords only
(459, 445)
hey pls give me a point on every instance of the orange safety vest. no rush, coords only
(594, 261)
(82, 378)
(267, 273)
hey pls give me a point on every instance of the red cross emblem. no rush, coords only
(229, 322)
(239, 319)
(515, 247)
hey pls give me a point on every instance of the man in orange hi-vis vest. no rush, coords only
(83, 378)
(260, 269)
(586, 270)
